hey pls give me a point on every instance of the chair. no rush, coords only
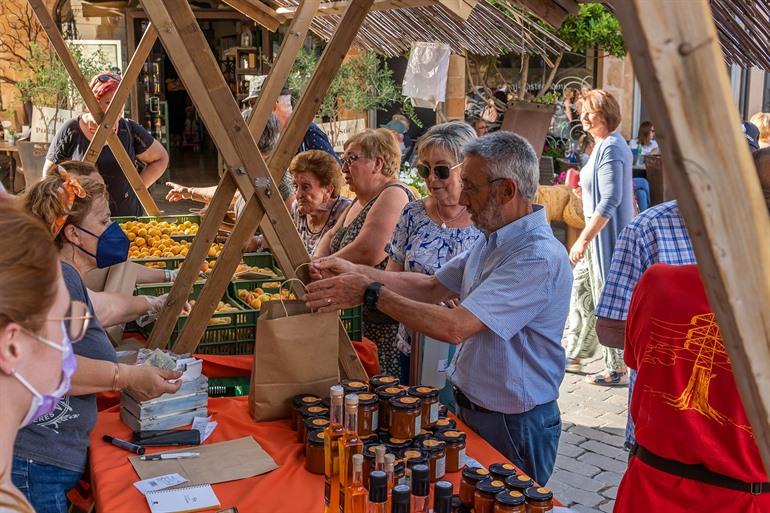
(32, 156)
(547, 170)
(642, 193)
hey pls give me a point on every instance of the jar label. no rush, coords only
(417, 425)
(433, 413)
(440, 467)
(461, 456)
(375, 420)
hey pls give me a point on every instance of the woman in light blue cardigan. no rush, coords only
(608, 205)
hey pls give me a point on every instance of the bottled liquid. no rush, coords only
(380, 380)
(355, 495)
(484, 498)
(400, 499)
(429, 398)
(349, 445)
(379, 457)
(539, 500)
(420, 489)
(332, 435)
(390, 473)
(502, 471)
(510, 502)
(471, 476)
(378, 492)
(442, 497)
(314, 452)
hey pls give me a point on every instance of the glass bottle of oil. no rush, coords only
(356, 494)
(349, 445)
(390, 465)
(332, 434)
(378, 492)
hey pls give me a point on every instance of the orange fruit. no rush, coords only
(139, 241)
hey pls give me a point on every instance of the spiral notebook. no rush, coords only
(183, 500)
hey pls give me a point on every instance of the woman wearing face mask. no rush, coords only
(50, 454)
(317, 179)
(36, 360)
(431, 231)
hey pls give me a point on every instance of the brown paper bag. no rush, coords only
(293, 354)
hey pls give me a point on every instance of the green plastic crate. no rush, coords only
(175, 219)
(229, 387)
(236, 337)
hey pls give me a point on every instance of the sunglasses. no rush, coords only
(349, 159)
(441, 171)
(106, 77)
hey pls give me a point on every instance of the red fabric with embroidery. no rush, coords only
(685, 403)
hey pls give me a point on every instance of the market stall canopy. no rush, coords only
(489, 30)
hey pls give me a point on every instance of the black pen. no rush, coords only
(117, 442)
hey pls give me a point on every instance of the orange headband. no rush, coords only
(70, 189)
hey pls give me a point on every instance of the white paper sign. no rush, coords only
(46, 121)
(159, 483)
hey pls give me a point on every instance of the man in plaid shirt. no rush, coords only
(657, 235)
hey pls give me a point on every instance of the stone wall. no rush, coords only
(616, 76)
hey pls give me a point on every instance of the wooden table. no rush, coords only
(10, 149)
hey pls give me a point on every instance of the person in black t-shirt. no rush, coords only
(73, 137)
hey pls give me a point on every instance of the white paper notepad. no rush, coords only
(183, 500)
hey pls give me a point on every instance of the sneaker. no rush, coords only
(573, 365)
(608, 379)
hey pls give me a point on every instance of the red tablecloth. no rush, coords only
(289, 489)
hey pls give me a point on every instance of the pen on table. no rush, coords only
(117, 442)
(174, 456)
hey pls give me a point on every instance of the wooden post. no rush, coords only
(676, 52)
(69, 63)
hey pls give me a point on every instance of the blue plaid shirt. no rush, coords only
(517, 282)
(657, 235)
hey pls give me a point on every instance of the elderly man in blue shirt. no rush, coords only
(513, 287)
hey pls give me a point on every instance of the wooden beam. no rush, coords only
(115, 109)
(549, 12)
(338, 8)
(69, 63)
(677, 57)
(259, 12)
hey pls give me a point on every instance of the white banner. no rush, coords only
(341, 131)
(46, 121)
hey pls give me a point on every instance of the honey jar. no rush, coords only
(309, 412)
(539, 500)
(502, 471)
(405, 416)
(354, 387)
(314, 452)
(312, 424)
(471, 476)
(385, 394)
(369, 456)
(301, 401)
(518, 483)
(430, 404)
(510, 502)
(444, 423)
(424, 434)
(397, 445)
(414, 457)
(484, 497)
(382, 380)
(435, 450)
(455, 448)
(368, 414)
(370, 438)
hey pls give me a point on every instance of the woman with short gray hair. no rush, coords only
(434, 229)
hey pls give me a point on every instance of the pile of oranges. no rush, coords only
(153, 239)
(255, 298)
(222, 307)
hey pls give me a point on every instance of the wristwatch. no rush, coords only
(372, 294)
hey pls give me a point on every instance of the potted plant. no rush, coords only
(11, 137)
(531, 119)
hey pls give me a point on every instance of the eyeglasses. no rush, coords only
(472, 189)
(77, 320)
(441, 171)
(349, 159)
(106, 77)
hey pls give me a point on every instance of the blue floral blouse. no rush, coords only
(422, 246)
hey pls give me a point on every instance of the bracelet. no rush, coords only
(115, 378)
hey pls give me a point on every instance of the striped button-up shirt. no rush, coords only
(517, 282)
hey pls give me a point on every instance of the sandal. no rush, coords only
(573, 366)
(608, 379)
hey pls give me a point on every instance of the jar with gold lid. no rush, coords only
(301, 401)
(369, 457)
(502, 471)
(309, 412)
(382, 380)
(539, 499)
(313, 424)
(424, 434)
(471, 476)
(368, 414)
(405, 416)
(385, 394)
(353, 386)
(455, 448)
(396, 445)
(510, 502)
(414, 457)
(430, 404)
(435, 450)
(484, 497)
(444, 423)
(314, 452)
(370, 438)
(519, 482)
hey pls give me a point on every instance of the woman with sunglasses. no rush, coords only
(73, 137)
(36, 360)
(50, 454)
(432, 230)
(371, 163)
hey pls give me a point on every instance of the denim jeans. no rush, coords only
(44, 486)
(529, 440)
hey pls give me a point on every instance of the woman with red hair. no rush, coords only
(73, 137)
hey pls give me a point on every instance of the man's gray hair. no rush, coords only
(508, 156)
(269, 138)
(451, 136)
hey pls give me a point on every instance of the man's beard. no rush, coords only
(486, 219)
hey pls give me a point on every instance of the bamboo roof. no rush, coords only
(744, 31)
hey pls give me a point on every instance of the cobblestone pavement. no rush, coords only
(591, 457)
